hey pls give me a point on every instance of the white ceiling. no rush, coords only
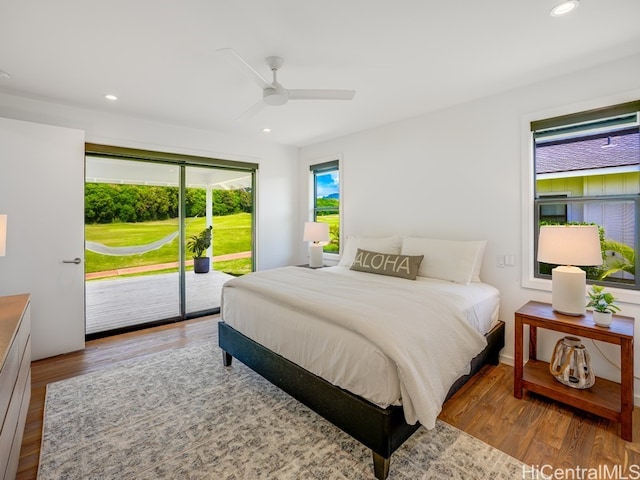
(403, 57)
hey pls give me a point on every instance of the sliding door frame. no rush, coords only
(183, 162)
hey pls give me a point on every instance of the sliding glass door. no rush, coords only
(132, 243)
(161, 238)
(221, 199)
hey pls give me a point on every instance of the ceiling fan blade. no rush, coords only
(321, 94)
(257, 107)
(232, 56)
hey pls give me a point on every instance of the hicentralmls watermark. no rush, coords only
(601, 472)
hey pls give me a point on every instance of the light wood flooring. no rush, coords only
(534, 430)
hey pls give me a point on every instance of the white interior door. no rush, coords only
(42, 192)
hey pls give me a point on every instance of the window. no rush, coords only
(551, 213)
(326, 200)
(587, 171)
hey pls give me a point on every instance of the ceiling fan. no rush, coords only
(273, 93)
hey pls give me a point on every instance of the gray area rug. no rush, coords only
(182, 415)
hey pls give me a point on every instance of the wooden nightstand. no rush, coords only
(606, 398)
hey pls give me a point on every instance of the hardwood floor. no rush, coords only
(541, 432)
(534, 430)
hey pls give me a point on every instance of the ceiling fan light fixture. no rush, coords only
(275, 96)
(563, 8)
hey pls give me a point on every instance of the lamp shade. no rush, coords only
(3, 235)
(316, 232)
(569, 245)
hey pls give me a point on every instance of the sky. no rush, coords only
(328, 183)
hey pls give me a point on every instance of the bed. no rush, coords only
(362, 363)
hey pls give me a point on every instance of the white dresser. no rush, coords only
(15, 379)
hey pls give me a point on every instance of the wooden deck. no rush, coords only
(122, 302)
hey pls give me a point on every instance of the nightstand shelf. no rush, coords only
(605, 398)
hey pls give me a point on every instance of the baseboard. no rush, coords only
(507, 359)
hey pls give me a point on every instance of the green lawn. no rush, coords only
(231, 234)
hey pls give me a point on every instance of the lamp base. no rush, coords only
(315, 256)
(568, 290)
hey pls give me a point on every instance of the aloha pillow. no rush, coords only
(382, 245)
(455, 261)
(403, 266)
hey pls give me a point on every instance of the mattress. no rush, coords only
(339, 355)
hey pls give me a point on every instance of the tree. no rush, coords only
(196, 202)
(105, 203)
(325, 202)
(621, 258)
(245, 200)
(99, 204)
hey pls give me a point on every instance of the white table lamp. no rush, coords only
(568, 246)
(318, 234)
(3, 235)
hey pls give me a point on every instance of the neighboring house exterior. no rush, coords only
(591, 167)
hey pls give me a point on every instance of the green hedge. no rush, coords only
(108, 203)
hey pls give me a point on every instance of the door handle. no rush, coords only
(76, 260)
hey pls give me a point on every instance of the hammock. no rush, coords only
(133, 250)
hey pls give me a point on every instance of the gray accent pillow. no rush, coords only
(403, 266)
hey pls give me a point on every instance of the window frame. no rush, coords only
(321, 166)
(587, 112)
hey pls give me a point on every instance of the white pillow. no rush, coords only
(381, 245)
(475, 277)
(455, 261)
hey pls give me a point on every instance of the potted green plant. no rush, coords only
(603, 304)
(198, 245)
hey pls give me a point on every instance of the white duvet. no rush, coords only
(424, 333)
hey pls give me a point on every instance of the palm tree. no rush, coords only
(619, 258)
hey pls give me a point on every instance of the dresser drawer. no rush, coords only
(15, 379)
(11, 367)
(13, 430)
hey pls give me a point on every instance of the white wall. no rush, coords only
(277, 190)
(458, 174)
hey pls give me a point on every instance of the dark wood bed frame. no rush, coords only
(382, 430)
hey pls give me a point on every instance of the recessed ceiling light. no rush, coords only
(110, 96)
(266, 130)
(564, 8)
